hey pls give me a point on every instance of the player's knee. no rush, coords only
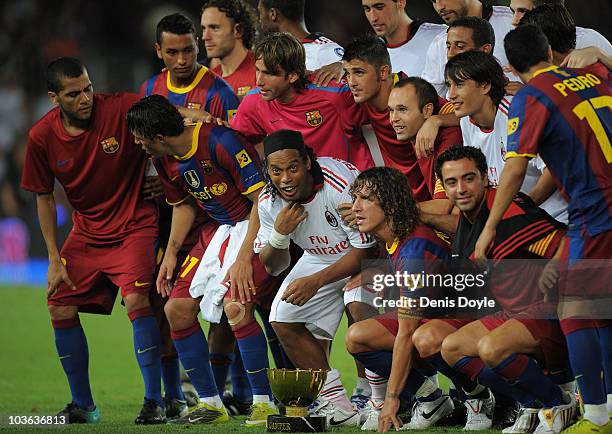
(427, 341)
(63, 312)
(451, 348)
(181, 312)
(135, 302)
(490, 350)
(354, 338)
(237, 314)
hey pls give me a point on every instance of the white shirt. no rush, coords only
(592, 38)
(493, 144)
(501, 21)
(409, 56)
(321, 51)
(322, 235)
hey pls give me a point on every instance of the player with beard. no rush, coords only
(85, 145)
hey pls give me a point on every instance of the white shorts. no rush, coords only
(323, 312)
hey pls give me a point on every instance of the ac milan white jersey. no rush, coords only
(493, 144)
(321, 51)
(322, 234)
(409, 57)
(433, 72)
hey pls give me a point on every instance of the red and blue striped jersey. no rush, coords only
(207, 92)
(565, 116)
(218, 171)
(420, 253)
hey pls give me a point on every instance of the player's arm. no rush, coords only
(446, 223)
(544, 188)
(183, 215)
(275, 254)
(509, 185)
(426, 137)
(47, 215)
(301, 290)
(583, 57)
(400, 369)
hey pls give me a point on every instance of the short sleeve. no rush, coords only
(37, 175)
(247, 121)
(525, 132)
(435, 62)
(223, 103)
(266, 223)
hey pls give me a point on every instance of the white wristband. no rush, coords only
(278, 240)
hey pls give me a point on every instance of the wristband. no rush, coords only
(278, 240)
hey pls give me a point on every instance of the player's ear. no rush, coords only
(486, 87)
(293, 77)
(238, 31)
(427, 110)
(549, 54)
(273, 14)
(487, 48)
(384, 72)
(308, 163)
(53, 98)
(158, 50)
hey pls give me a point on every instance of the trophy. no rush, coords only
(296, 389)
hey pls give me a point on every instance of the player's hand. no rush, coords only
(289, 218)
(152, 188)
(388, 415)
(484, 242)
(57, 274)
(364, 279)
(240, 278)
(301, 290)
(581, 57)
(327, 73)
(347, 215)
(426, 137)
(164, 281)
(512, 87)
(194, 115)
(548, 278)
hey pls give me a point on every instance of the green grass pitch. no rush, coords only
(32, 380)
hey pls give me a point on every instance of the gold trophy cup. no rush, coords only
(296, 389)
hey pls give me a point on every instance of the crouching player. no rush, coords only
(383, 205)
(209, 162)
(518, 341)
(299, 204)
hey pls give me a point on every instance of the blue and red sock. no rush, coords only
(586, 359)
(171, 377)
(254, 351)
(192, 348)
(147, 346)
(220, 364)
(73, 353)
(241, 388)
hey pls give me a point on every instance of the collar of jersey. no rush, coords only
(391, 250)
(203, 70)
(194, 143)
(543, 70)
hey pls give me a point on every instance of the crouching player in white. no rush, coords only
(299, 203)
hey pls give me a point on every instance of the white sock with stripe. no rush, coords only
(378, 385)
(334, 392)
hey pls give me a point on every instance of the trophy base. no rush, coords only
(279, 423)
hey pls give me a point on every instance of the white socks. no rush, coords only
(378, 385)
(334, 392)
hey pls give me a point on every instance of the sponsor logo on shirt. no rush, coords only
(243, 158)
(110, 145)
(192, 178)
(218, 189)
(243, 90)
(314, 118)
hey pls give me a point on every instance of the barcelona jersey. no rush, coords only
(564, 116)
(207, 92)
(218, 171)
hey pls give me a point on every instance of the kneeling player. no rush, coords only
(299, 204)
(210, 163)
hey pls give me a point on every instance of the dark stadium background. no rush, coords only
(115, 40)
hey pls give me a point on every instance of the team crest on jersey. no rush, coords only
(110, 145)
(207, 166)
(314, 118)
(218, 189)
(194, 105)
(331, 219)
(192, 178)
(513, 125)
